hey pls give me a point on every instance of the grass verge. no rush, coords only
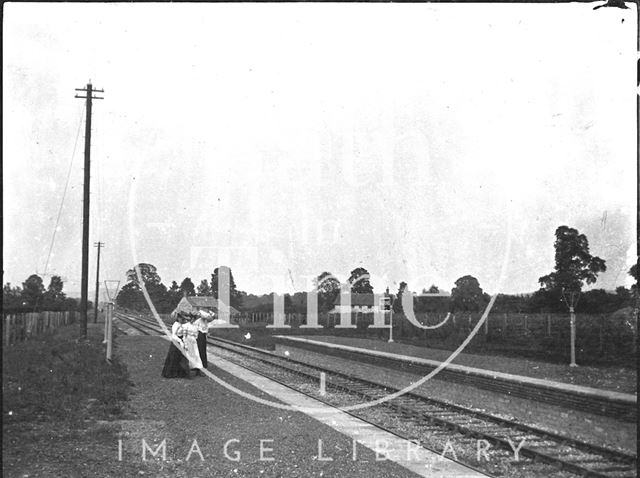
(59, 398)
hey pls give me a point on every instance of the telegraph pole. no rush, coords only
(85, 205)
(95, 305)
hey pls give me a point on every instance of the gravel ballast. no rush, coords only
(180, 411)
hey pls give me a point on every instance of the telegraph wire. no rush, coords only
(64, 193)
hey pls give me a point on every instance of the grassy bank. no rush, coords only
(61, 403)
(61, 377)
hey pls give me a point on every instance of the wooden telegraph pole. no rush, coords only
(95, 305)
(85, 205)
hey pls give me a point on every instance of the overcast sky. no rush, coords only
(284, 140)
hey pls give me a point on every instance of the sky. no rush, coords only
(423, 142)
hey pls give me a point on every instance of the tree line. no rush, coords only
(574, 268)
(34, 297)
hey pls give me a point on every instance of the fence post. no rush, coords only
(601, 334)
(7, 329)
(548, 325)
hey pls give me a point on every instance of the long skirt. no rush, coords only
(191, 345)
(176, 364)
(202, 348)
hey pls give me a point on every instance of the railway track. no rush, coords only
(524, 387)
(434, 424)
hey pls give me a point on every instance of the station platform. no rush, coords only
(420, 360)
(233, 422)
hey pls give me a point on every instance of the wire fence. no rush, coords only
(599, 337)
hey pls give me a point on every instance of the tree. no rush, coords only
(54, 297)
(148, 274)
(33, 291)
(130, 297)
(175, 288)
(633, 272)
(159, 297)
(467, 294)
(187, 288)
(174, 295)
(11, 297)
(328, 288)
(574, 264)
(225, 274)
(433, 289)
(397, 304)
(359, 280)
(203, 288)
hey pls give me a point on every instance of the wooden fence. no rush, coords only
(19, 327)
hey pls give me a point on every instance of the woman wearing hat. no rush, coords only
(191, 344)
(202, 323)
(176, 365)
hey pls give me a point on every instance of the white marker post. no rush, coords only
(109, 330)
(323, 384)
(573, 338)
(112, 293)
(106, 331)
(391, 320)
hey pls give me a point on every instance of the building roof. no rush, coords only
(202, 301)
(207, 301)
(441, 293)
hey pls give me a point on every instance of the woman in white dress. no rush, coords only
(190, 339)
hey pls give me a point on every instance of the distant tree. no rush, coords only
(130, 297)
(235, 296)
(328, 288)
(359, 280)
(288, 304)
(623, 293)
(55, 288)
(54, 298)
(467, 294)
(174, 295)
(433, 289)
(397, 304)
(33, 291)
(187, 288)
(299, 302)
(574, 265)
(203, 288)
(175, 288)
(633, 272)
(148, 274)
(599, 301)
(159, 297)
(11, 297)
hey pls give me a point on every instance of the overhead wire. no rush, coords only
(64, 193)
